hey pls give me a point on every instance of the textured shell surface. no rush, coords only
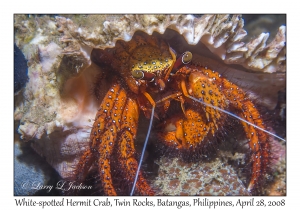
(55, 110)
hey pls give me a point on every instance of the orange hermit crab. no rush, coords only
(147, 76)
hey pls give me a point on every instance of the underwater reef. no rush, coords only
(55, 107)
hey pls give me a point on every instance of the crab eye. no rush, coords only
(182, 60)
(141, 74)
(138, 74)
(187, 57)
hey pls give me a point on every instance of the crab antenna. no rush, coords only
(235, 116)
(143, 151)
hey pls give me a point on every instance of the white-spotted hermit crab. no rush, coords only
(147, 76)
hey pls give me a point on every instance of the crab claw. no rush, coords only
(186, 133)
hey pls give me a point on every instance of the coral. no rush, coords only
(49, 109)
(224, 173)
(56, 108)
(220, 33)
(176, 177)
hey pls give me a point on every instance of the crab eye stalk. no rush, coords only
(182, 60)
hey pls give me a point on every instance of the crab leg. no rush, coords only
(258, 140)
(195, 130)
(127, 161)
(109, 119)
(116, 121)
(103, 136)
(218, 94)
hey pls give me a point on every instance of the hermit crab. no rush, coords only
(148, 76)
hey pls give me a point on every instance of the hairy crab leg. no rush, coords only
(182, 133)
(96, 136)
(104, 133)
(114, 128)
(126, 158)
(119, 115)
(258, 140)
(184, 89)
(83, 166)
